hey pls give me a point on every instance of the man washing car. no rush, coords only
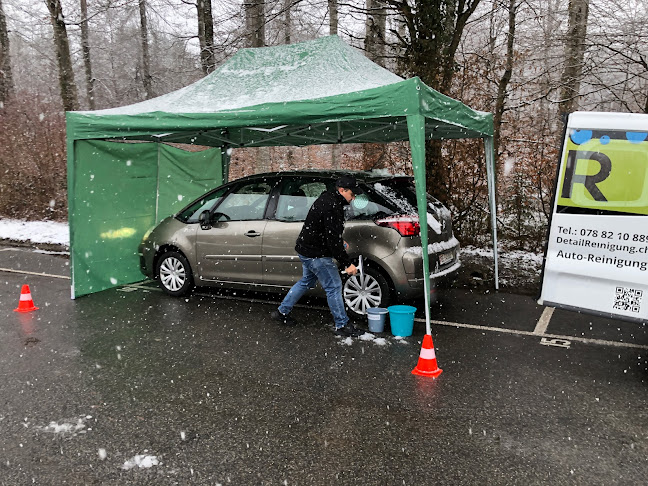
(319, 242)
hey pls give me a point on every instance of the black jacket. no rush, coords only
(321, 235)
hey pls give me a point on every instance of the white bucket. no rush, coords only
(376, 317)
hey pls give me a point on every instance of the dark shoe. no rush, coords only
(286, 320)
(349, 330)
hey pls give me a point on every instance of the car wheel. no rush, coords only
(174, 273)
(362, 292)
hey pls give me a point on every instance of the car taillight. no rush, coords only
(405, 225)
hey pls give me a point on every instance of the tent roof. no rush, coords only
(282, 74)
(315, 92)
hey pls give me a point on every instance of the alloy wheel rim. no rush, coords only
(173, 274)
(362, 292)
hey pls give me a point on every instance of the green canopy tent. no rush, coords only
(316, 92)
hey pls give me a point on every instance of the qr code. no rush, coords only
(627, 299)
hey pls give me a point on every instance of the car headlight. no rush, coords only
(148, 233)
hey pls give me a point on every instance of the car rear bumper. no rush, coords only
(439, 279)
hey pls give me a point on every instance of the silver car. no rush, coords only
(242, 235)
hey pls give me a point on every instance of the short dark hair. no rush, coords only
(348, 182)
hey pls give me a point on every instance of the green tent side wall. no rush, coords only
(120, 190)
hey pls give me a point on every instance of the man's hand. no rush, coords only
(351, 270)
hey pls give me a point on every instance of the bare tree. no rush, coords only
(434, 31)
(85, 49)
(6, 78)
(66, 73)
(206, 35)
(617, 78)
(502, 85)
(574, 54)
(433, 34)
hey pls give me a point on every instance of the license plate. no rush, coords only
(445, 258)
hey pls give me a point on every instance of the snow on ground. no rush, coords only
(35, 231)
(70, 426)
(141, 461)
(504, 256)
(518, 270)
(369, 337)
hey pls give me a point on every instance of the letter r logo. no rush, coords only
(589, 181)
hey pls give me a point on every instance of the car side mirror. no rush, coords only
(204, 220)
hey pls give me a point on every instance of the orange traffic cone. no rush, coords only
(427, 363)
(26, 303)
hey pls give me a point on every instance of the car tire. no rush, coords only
(359, 294)
(174, 273)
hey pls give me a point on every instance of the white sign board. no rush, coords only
(597, 253)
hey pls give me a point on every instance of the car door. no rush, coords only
(229, 248)
(282, 266)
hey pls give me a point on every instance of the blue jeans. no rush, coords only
(326, 271)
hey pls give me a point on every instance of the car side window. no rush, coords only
(296, 197)
(246, 203)
(205, 203)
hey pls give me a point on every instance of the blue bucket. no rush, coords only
(401, 319)
(377, 317)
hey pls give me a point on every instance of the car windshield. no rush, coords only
(191, 213)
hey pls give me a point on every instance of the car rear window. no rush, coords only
(386, 197)
(368, 205)
(401, 191)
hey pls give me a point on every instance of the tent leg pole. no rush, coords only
(226, 152)
(416, 131)
(71, 182)
(490, 176)
(157, 189)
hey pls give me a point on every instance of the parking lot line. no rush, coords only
(544, 336)
(543, 322)
(34, 273)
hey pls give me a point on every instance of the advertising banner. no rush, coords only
(597, 252)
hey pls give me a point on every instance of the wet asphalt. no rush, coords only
(208, 390)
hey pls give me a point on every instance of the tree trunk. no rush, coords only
(375, 31)
(574, 54)
(206, 35)
(504, 80)
(6, 78)
(255, 22)
(287, 21)
(85, 49)
(66, 74)
(146, 62)
(333, 30)
(333, 17)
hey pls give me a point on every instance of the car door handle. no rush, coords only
(252, 233)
